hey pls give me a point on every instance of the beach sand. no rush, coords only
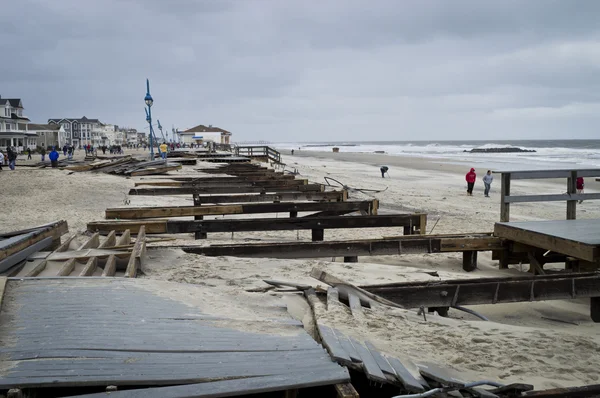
(517, 345)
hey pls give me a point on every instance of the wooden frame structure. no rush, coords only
(571, 197)
(275, 197)
(411, 223)
(350, 250)
(263, 153)
(323, 208)
(196, 189)
(451, 293)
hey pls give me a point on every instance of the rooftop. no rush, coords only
(204, 129)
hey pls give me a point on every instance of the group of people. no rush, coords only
(10, 158)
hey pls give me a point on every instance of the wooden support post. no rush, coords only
(139, 249)
(291, 393)
(111, 266)
(124, 239)
(572, 190)
(423, 224)
(199, 235)
(55, 244)
(504, 193)
(293, 214)
(346, 390)
(536, 263)
(504, 258)
(350, 259)
(67, 268)
(470, 261)
(318, 235)
(111, 240)
(407, 230)
(14, 393)
(595, 309)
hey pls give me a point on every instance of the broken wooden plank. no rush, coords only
(65, 245)
(332, 298)
(105, 227)
(3, 280)
(111, 266)
(20, 256)
(90, 267)
(37, 269)
(16, 243)
(355, 306)
(124, 239)
(382, 362)
(331, 343)
(135, 261)
(440, 375)
(369, 365)
(272, 197)
(190, 190)
(346, 390)
(410, 382)
(347, 346)
(86, 254)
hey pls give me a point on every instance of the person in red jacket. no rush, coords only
(580, 185)
(470, 177)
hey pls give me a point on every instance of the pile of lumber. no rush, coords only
(126, 166)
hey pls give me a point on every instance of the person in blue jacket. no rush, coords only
(54, 158)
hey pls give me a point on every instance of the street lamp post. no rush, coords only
(149, 101)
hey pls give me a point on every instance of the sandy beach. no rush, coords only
(517, 345)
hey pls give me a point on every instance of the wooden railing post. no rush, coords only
(572, 190)
(504, 193)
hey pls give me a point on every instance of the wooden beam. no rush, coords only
(65, 245)
(54, 231)
(248, 208)
(37, 269)
(155, 170)
(124, 239)
(346, 390)
(111, 266)
(3, 281)
(572, 190)
(287, 224)
(564, 173)
(111, 240)
(340, 196)
(90, 267)
(504, 195)
(352, 248)
(67, 268)
(92, 243)
(135, 261)
(225, 190)
(151, 226)
(217, 184)
(552, 197)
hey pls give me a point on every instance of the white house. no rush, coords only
(202, 133)
(13, 125)
(79, 131)
(48, 135)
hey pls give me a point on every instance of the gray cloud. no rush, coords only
(312, 70)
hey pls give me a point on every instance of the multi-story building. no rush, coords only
(141, 138)
(79, 131)
(48, 135)
(13, 125)
(105, 135)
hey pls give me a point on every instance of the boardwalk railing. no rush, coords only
(262, 152)
(571, 196)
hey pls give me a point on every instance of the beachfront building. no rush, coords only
(202, 133)
(79, 131)
(48, 135)
(13, 125)
(141, 138)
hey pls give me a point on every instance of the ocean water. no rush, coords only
(549, 153)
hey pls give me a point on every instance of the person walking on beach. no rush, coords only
(487, 182)
(43, 153)
(28, 153)
(163, 150)
(54, 158)
(470, 177)
(580, 185)
(1, 160)
(65, 150)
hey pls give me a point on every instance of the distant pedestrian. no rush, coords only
(70, 153)
(65, 150)
(43, 153)
(28, 153)
(470, 177)
(12, 159)
(580, 185)
(1, 160)
(292, 152)
(487, 182)
(163, 150)
(54, 158)
(383, 169)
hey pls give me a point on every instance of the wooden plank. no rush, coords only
(272, 197)
(155, 170)
(248, 208)
(355, 306)
(572, 190)
(286, 224)
(111, 240)
(504, 195)
(37, 269)
(90, 267)
(279, 183)
(125, 238)
(54, 231)
(111, 266)
(332, 298)
(224, 190)
(3, 280)
(552, 198)
(347, 346)
(440, 375)
(151, 227)
(91, 243)
(563, 173)
(410, 382)
(18, 257)
(382, 362)
(86, 254)
(330, 341)
(135, 261)
(67, 268)
(369, 364)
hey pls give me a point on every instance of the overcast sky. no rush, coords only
(312, 70)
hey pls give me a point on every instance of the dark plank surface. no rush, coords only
(583, 231)
(100, 331)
